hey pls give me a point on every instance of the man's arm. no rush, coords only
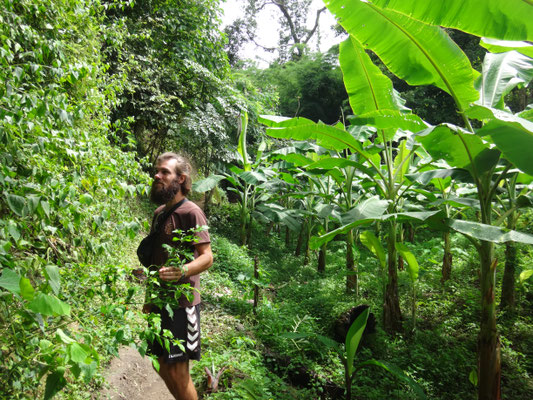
(195, 267)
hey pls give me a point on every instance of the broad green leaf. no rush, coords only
(387, 119)
(502, 46)
(16, 204)
(353, 337)
(336, 162)
(10, 280)
(525, 275)
(207, 184)
(458, 174)
(399, 374)
(86, 198)
(509, 20)
(410, 216)
(488, 233)
(458, 202)
(241, 148)
(458, 148)
(276, 213)
(77, 353)
(399, 168)
(63, 337)
(369, 210)
(367, 87)
(12, 228)
(252, 177)
(472, 377)
(298, 160)
(303, 129)
(54, 280)
(412, 263)
(48, 305)
(26, 289)
(418, 53)
(374, 245)
(512, 135)
(54, 383)
(501, 73)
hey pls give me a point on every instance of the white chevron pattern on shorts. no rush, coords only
(192, 327)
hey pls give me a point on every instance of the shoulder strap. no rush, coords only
(165, 215)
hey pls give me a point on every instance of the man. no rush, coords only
(172, 183)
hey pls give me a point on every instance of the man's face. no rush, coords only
(166, 182)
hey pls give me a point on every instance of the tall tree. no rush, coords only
(298, 25)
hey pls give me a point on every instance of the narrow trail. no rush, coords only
(131, 377)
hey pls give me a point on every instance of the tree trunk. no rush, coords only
(391, 311)
(299, 243)
(351, 277)
(269, 228)
(256, 287)
(287, 236)
(410, 232)
(400, 240)
(306, 244)
(322, 259)
(447, 258)
(489, 342)
(508, 289)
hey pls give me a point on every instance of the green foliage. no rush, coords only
(64, 198)
(311, 87)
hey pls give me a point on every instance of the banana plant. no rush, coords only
(406, 37)
(246, 182)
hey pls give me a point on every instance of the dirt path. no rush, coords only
(131, 377)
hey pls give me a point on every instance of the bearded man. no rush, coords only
(172, 183)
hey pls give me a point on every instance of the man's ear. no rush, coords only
(181, 179)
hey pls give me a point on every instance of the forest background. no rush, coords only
(92, 91)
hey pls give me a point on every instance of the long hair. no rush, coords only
(183, 168)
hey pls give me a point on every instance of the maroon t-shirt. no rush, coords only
(186, 217)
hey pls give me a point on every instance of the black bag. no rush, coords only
(146, 247)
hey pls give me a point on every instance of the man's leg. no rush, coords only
(178, 379)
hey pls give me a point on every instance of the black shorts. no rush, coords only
(185, 326)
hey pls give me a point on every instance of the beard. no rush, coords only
(162, 195)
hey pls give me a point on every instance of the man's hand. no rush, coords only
(169, 274)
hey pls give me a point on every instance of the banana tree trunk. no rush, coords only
(287, 236)
(447, 258)
(508, 289)
(322, 259)
(489, 341)
(391, 312)
(299, 243)
(306, 244)
(351, 269)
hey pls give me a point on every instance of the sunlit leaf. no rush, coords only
(412, 263)
(353, 337)
(48, 305)
(502, 46)
(509, 20)
(525, 275)
(207, 184)
(414, 51)
(54, 280)
(501, 73)
(374, 245)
